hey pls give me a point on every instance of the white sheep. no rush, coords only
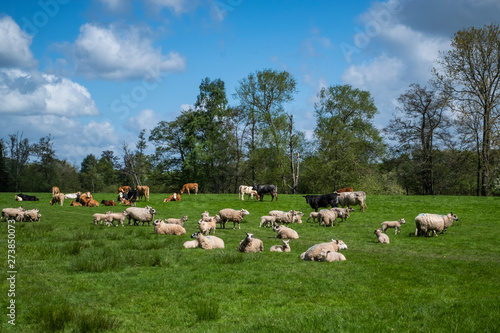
(314, 252)
(283, 232)
(327, 255)
(281, 248)
(343, 213)
(119, 217)
(208, 242)
(267, 220)
(381, 237)
(393, 224)
(11, 213)
(191, 244)
(313, 216)
(138, 214)
(283, 217)
(327, 217)
(163, 228)
(430, 223)
(31, 215)
(177, 221)
(100, 218)
(297, 218)
(231, 215)
(250, 244)
(210, 225)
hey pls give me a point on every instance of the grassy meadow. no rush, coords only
(73, 276)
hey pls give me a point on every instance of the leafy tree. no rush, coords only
(89, 174)
(4, 175)
(20, 151)
(106, 166)
(44, 151)
(470, 73)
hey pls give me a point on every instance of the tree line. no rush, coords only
(442, 139)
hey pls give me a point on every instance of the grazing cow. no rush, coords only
(248, 190)
(26, 197)
(345, 189)
(173, 197)
(143, 191)
(55, 190)
(324, 200)
(189, 187)
(108, 202)
(264, 189)
(352, 199)
(124, 189)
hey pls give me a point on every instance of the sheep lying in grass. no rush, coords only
(191, 244)
(163, 228)
(208, 242)
(343, 213)
(267, 221)
(381, 237)
(426, 224)
(138, 214)
(327, 255)
(210, 225)
(177, 221)
(250, 244)
(281, 248)
(231, 215)
(327, 217)
(118, 217)
(12, 213)
(393, 224)
(283, 232)
(313, 216)
(314, 252)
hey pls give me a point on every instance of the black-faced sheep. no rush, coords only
(281, 248)
(393, 224)
(381, 237)
(314, 252)
(231, 215)
(433, 223)
(163, 228)
(138, 214)
(250, 244)
(208, 242)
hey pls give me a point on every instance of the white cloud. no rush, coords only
(146, 119)
(14, 45)
(177, 6)
(121, 53)
(31, 92)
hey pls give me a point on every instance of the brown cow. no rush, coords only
(189, 187)
(125, 202)
(108, 202)
(85, 199)
(74, 203)
(55, 190)
(345, 189)
(124, 189)
(93, 203)
(173, 197)
(58, 198)
(143, 191)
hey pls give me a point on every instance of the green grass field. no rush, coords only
(73, 276)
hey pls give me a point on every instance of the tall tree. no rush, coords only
(20, 151)
(420, 123)
(45, 152)
(470, 73)
(89, 174)
(346, 139)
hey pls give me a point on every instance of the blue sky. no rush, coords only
(92, 74)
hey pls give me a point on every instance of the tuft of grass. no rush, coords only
(207, 310)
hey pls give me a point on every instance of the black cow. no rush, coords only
(324, 200)
(264, 189)
(26, 197)
(131, 195)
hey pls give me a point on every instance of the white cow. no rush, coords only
(247, 190)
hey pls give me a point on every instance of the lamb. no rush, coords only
(327, 217)
(284, 232)
(297, 218)
(235, 216)
(119, 217)
(428, 223)
(31, 215)
(191, 244)
(327, 255)
(267, 220)
(393, 224)
(281, 248)
(208, 242)
(138, 214)
(283, 217)
(177, 221)
(100, 218)
(343, 213)
(314, 252)
(210, 225)
(12, 213)
(381, 237)
(58, 198)
(313, 215)
(250, 244)
(163, 228)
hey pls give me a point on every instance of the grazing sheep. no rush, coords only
(58, 198)
(381, 237)
(393, 224)
(343, 213)
(163, 228)
(267, 220)
(191, 244)
(281, 248)
(327, 217)
(327, 255)
(250, 244)
(231, 215)
(138, 214)
(314, 252)
(431, 223)
(283, 232)
(313, 215)
(283, 217)
(210, 225)
(74, 203)
(208, 242)
(100, 218)
(12, 213)
(119, 217)
(31, 215)
(177, 221)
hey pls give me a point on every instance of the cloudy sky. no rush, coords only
(93, 73)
